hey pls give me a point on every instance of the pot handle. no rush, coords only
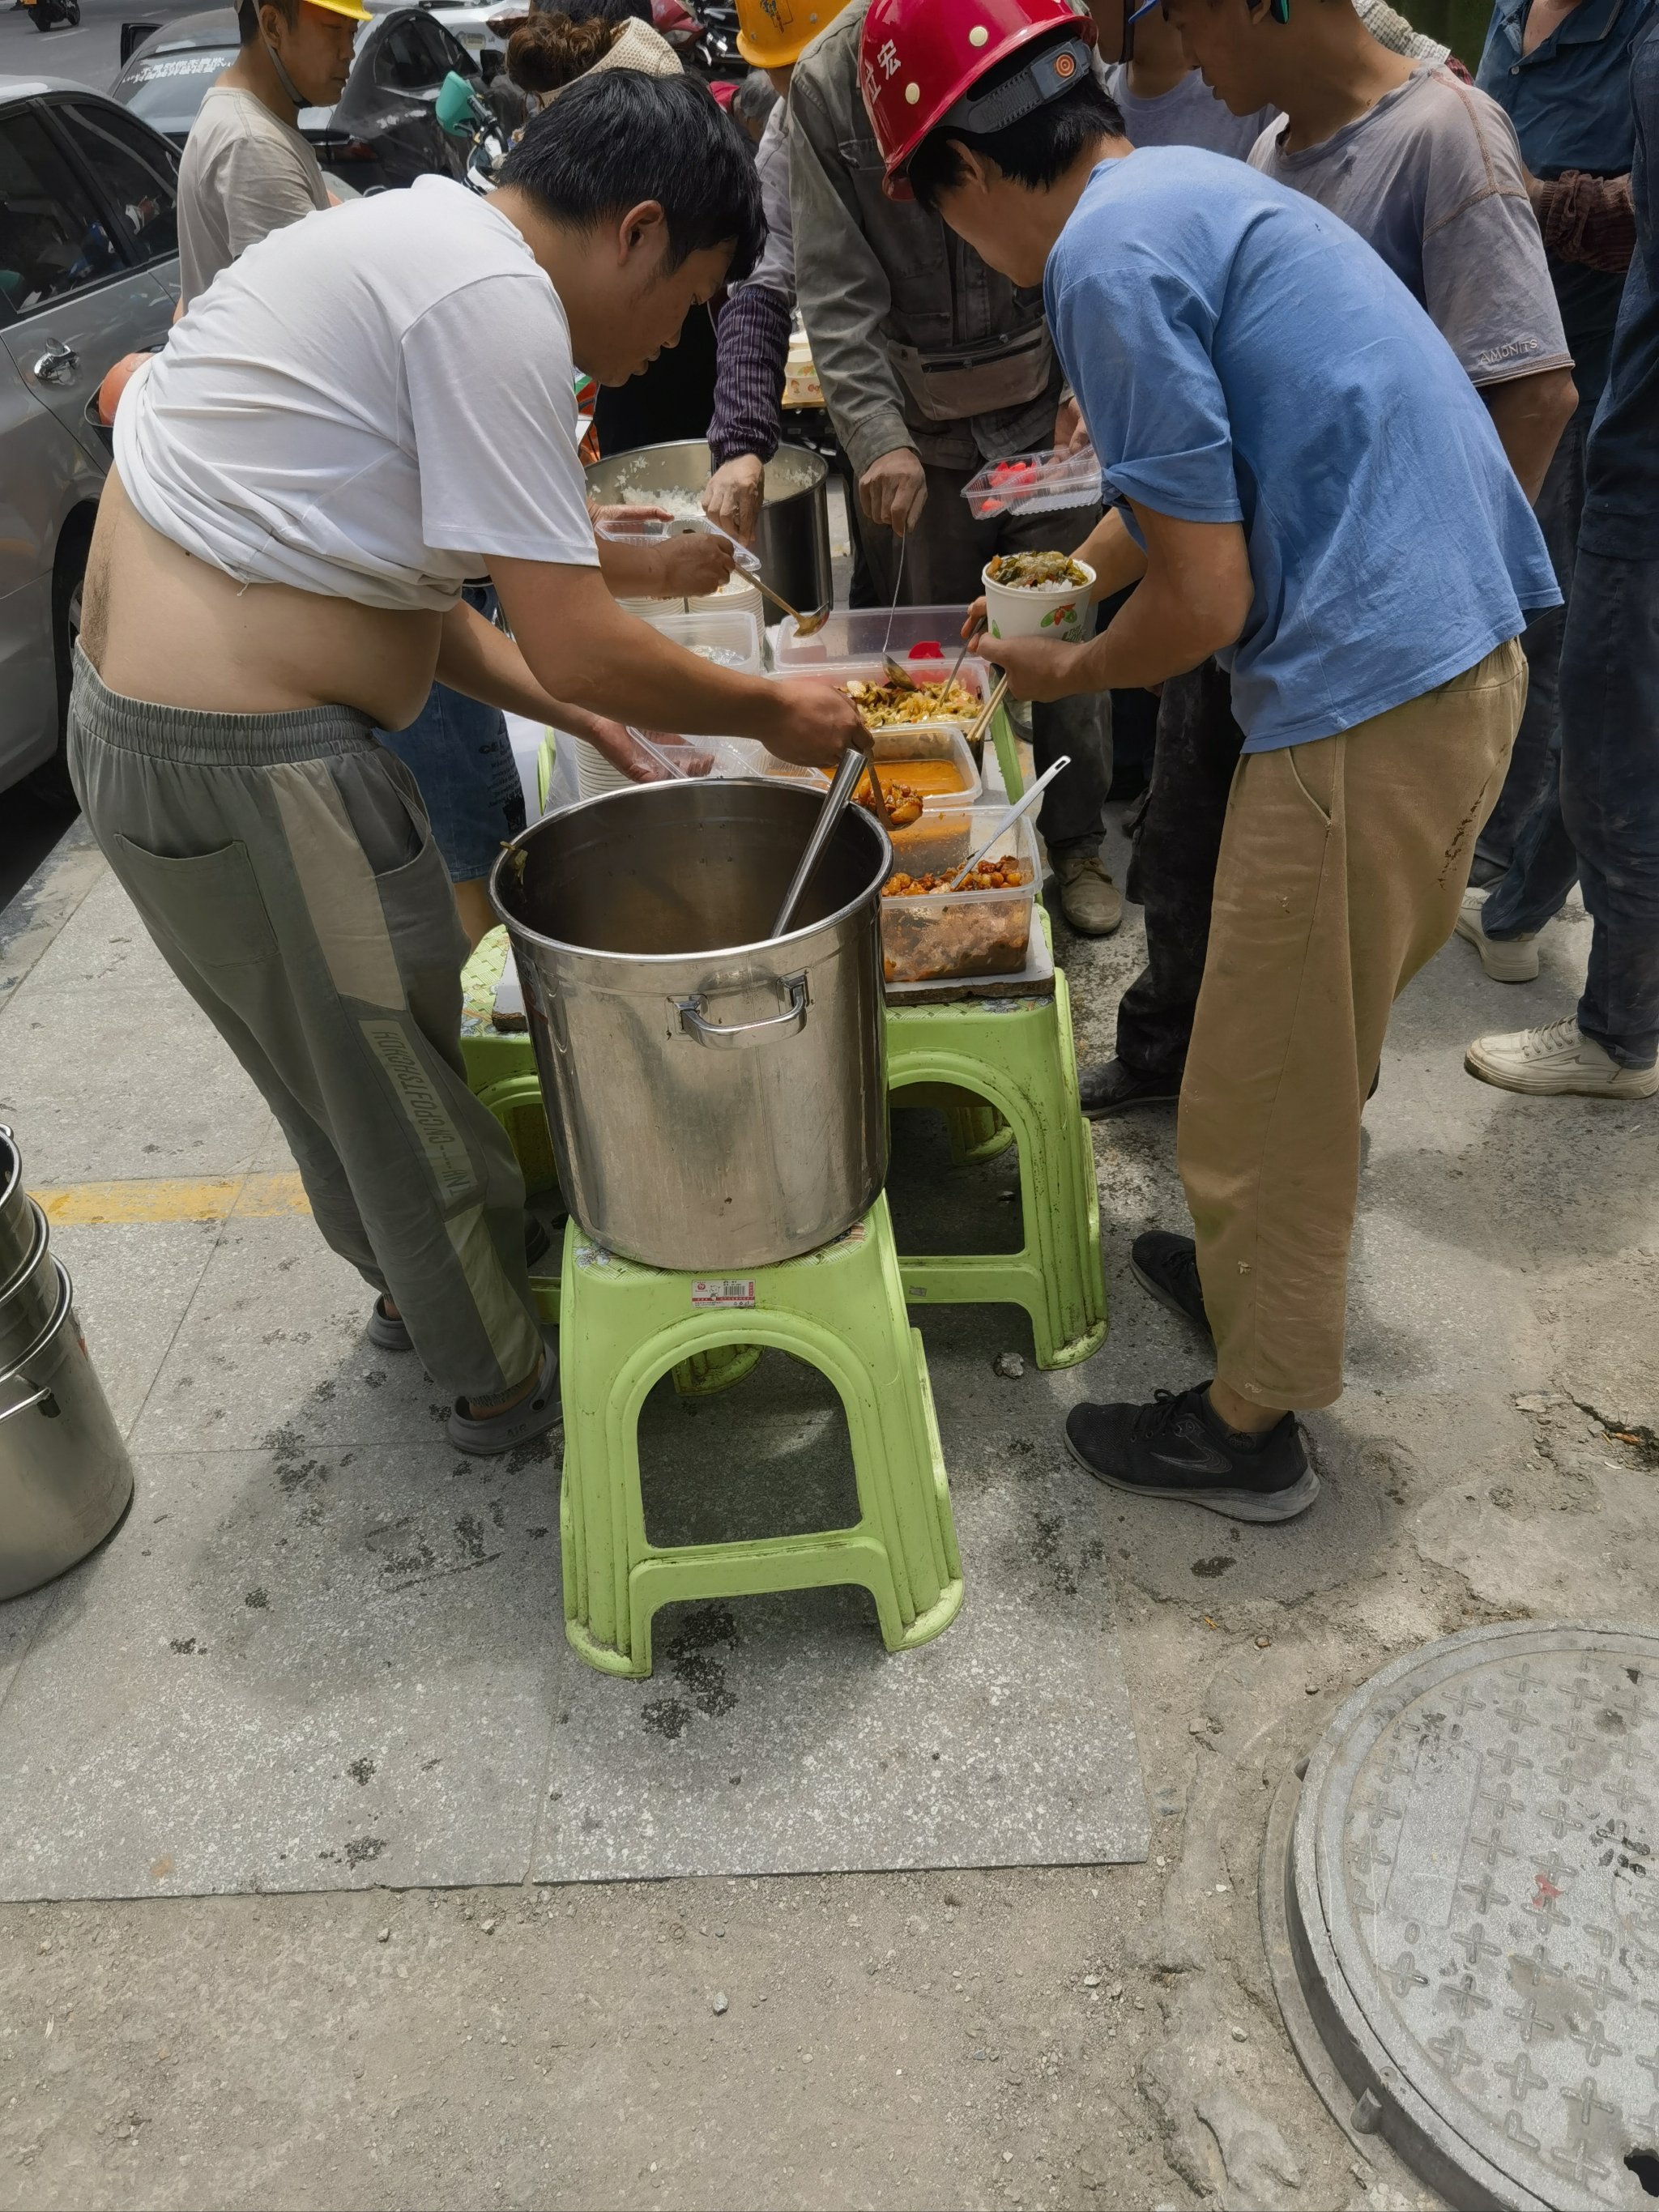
(23, 1404)
(694, 1024)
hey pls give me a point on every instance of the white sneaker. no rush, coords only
(1505, 959)
(1557, 1061)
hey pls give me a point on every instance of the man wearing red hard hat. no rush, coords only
(932, 365)
(1303, 482)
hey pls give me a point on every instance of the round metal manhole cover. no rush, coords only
(1471, 1902)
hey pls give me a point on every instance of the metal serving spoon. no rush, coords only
(853, 765)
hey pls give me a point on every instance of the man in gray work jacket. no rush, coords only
(932, 364)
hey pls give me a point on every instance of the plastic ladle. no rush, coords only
(853, 765)
(1020, 806)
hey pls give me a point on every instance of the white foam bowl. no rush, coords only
(1065, 611)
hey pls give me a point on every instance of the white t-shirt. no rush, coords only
(368, 407)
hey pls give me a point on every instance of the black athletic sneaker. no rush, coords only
(1110, 1087)
(1177, 1448)
(1167, 1266)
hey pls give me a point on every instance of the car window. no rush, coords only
(167, 89)
(52, 239)
(464, 64)
(413, 56)
(137, 177)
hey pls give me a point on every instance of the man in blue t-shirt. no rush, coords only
(1306, 484)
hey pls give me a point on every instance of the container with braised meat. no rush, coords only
(930, 932)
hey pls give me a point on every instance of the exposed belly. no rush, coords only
(161, 625)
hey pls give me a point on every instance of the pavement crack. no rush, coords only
(1635, 1435)
(438, 1574)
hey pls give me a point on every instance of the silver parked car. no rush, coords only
(89, 271)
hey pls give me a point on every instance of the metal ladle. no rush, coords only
(749, 563)
(805, 625)
(853, 765)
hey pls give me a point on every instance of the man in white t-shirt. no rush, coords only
(359, 417)
(246, 170)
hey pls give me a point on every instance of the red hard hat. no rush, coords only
(920, 59)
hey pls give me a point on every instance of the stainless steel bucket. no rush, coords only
(16, 1213)
(29, 1301)
(793, 538)
(717, 1099)
(65, 1478)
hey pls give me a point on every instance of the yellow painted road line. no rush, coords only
(166, 1198)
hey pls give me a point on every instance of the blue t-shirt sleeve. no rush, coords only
(1135, 339)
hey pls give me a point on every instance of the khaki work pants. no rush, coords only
(1343, 863)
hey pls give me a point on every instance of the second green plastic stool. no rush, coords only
(1017, 1055)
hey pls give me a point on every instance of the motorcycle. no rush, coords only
(717, 55)
(462, 115)
(47, 14)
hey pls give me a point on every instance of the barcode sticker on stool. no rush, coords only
(724, 1291)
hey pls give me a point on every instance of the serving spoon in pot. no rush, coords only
(853, 765)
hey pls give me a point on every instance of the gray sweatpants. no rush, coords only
(285, 867)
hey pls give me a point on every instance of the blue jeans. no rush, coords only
(458, 751)
(1602, 824)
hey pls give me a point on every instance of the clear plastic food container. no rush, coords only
(974, 676)
(1034, 483)
(737, 594)
(939, 935)
(652, 529)
(940, 754)
(921, 634)
(731, 639)
(720, 757)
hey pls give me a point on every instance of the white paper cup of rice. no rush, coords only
(1063, 610)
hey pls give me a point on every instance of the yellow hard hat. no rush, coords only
(772, 33)
(354, 8)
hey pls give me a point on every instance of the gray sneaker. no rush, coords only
(1089, 899)
(538, 1415)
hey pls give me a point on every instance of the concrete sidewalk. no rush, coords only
(1057, 2036)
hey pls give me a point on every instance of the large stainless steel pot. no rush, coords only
(717, 1101)
(29, 1302)
(65, 1478)
(793, 538)
(16, 1213)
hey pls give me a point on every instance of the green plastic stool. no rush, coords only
(842, 1309)
(1017, 1055)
